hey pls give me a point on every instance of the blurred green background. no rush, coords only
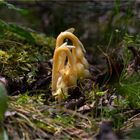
(95, 21)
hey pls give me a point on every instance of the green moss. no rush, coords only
(21, 50)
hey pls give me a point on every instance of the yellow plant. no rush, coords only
(69, 64)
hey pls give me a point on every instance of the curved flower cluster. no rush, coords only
(69, 64)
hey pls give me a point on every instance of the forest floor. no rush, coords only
(97, 108)
(103, 106)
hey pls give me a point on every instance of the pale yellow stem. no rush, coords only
(56, 70)
(77, 53)
(66, 35)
